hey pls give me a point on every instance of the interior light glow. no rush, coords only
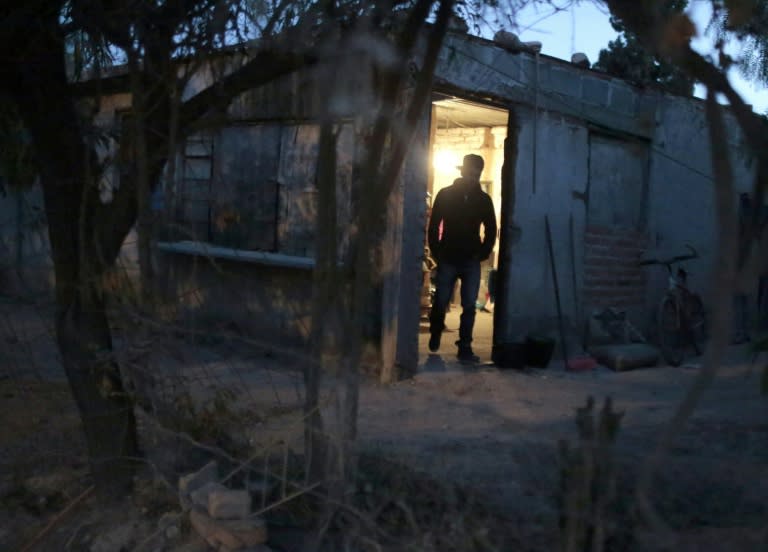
(445, 161)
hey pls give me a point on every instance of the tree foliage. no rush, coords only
(627, 58)
(671, 37)
(43, 44)
(746, 21)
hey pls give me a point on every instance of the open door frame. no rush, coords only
(406, 225)
(506, 227)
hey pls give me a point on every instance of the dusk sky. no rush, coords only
(586, 28)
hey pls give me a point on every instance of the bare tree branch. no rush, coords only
(722, 299)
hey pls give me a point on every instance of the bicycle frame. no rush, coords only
(679, 280)
(683, 300)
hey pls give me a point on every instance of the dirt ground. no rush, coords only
(493, 432)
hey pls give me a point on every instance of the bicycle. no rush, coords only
(681, 317)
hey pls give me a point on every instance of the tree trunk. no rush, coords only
(140, 174)
(382, 178)
(84, 340)
(35, 80)
(325, 283)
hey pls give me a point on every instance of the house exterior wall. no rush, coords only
(544, 188)
(269, 304)
(616, 233)
(480, 68)
(563, 112)
(553, 176)
(263, 173)
(26, 268)
(682, 193)
(410, 238)
(271, 137)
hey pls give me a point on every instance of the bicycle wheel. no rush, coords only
(697, 321)
(670, 332)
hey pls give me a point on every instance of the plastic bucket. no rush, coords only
(538, 351)
(509, 355)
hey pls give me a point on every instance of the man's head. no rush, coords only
(472, 167)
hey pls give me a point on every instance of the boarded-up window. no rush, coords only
(194, 189)
(262, 194)
(245, 200)
(298, 190)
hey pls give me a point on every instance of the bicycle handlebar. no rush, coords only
(676, 259)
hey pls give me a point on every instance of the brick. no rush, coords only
(598, 250)
(608, 253)
(194, 481)
(597, 241)
(594, 237)
(613, 293)
(229, 504)
(635, 271)
(599, 230)
(601, 261)
(599, 282)
(627, 244)
(593, 272)
(624, 270)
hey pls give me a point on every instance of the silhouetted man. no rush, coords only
(455, 243)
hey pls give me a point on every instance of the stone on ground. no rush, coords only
(626, 357)
(229, 504)
(201, 496)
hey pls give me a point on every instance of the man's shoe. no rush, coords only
(466, 356)
(434, 341)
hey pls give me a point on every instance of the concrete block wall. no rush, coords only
(482, 67)
(270, 304)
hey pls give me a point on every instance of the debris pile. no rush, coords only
(220, 515)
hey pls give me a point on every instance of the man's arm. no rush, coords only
(433, 230)
(489, 230)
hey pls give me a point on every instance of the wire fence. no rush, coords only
(197, 384)
(220, 385)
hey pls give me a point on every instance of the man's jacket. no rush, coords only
(461, 209)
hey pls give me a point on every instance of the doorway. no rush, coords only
(458, 127)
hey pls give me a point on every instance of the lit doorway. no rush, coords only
(458, 127)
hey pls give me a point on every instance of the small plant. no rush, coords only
(588, 479)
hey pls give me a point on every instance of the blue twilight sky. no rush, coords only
(585, 28)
